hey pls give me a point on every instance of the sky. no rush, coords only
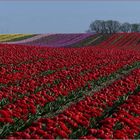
(63, 16)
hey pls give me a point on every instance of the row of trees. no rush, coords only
(112, 26)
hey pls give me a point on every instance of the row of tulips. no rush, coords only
(78, 120)
(28, 90)
(34, 93)
(30, 65)
(12, 37)
(67, 80)
(27, 71)
(127, 41)
(4, 37)
(24, 71)
(122, 41)
(59, 40)
(22, 41)
(43, 64)
(16, 54)
(123, 123)
(29, 84)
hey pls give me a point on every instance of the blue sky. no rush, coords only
(62, 16)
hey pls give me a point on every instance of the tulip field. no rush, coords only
(70, 86)
(14, 37)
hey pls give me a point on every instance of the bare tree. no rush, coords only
(96, 26)
(126, 27)
(135, 27)
(112, 26)
(101, 26)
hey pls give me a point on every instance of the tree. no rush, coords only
(101, 26)
(126, 27)
(96, 26)
(112, 26)
(135, 27)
